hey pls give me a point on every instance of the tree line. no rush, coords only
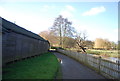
(63, 34)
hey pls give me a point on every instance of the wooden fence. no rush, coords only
(109, 69)
(19, 43)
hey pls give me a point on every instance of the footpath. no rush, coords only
(72, 69)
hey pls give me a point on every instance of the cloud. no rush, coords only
(66, 14)
(70, 8)
(67, 11)
(30, 22)
(94, 11)
(93, 32)
(100, 33)
(2, 11)
(46, 8)
(115, 30)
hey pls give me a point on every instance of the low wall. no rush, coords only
(106, 68)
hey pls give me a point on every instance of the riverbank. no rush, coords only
(111, 55)
(104, 53)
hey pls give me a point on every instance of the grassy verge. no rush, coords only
(40, 67)
(59, 73)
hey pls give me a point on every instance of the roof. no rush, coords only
(7, 25)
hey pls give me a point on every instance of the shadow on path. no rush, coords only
(72, 69)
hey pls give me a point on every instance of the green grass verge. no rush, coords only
(59, 73)
(40, 67)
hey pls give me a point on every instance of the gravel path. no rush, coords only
(72, 69)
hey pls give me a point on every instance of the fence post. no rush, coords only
(99, 63)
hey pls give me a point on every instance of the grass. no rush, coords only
(59, 73)
(107, 53)
(40, 67)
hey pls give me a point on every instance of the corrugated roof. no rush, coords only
(11, 26)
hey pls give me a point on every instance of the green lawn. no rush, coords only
(40, 67)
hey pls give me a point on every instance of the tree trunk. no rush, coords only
(60, 36)
(81, 47)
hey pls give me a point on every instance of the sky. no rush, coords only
(97, 19)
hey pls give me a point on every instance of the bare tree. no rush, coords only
(89, 44)
(103, 44)
(114, 45)
(98, 43)
(44, 34)
(80, 40)
(57, 28)
(69, 42)
(48, 35)
(62, 28)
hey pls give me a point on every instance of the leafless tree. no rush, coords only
(80, 40)
(104, 44)
(62, 28)
(48, 35)
(69, 42)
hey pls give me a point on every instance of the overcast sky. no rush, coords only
(98, 19)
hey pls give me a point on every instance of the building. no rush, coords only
(19, 43)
